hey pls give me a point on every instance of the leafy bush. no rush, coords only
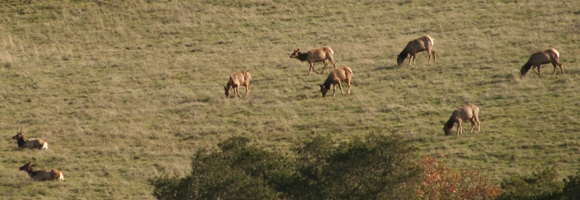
(377, 167)
(373, 167)
(239, 171)
(571, 189)
(540, 185)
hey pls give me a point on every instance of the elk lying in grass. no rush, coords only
(335, 77)
(236, 80)
(31, 144)
(315, 55)
(467, 112)
(540, 58)
(42, 175)
(415, 46)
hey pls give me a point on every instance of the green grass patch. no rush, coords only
(128, 90)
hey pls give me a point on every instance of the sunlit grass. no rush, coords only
(128, 90)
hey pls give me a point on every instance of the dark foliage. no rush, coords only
(541, 185)
(376, 167)
(571, 189)
(239, 171)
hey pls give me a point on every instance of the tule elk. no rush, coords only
(31, 144)
(315, 55)
(467, 112)
(415, 46)
(236, 80)
(42, 175)
(540, 58)
(335, 77)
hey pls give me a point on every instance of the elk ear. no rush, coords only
(321, 86)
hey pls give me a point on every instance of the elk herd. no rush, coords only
(40, 144)
(425, 43)
(335, 77)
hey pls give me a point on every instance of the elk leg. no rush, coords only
(434, 56)
(247, 89)
(536, 69)
(429, 52)
(476, 118)
(459, 128)
(472, 125)
(349, 85)
(312, 68)
(340, 86)
(334, 89)
(236, 91)
(332, 61)
(555, 64)
(325, 65)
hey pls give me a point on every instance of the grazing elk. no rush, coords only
(467, 112)
(415, 46)
(236, 80)
(335, 77)
(315, 55)
(42, 175)
(540, 58)
(31, 144)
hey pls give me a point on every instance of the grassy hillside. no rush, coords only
(128, 90)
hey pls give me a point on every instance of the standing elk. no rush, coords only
(335, 77)
(415, 46)
(42, 175)
(31, 143)
(236, 80)
(540, 58)
(467, 112)
(315, 55)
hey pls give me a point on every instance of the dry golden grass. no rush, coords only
(127, 90)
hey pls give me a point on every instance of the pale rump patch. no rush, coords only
(60, 176)
(556, 52)
(431, 40)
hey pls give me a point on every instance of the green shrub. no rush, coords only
(377, 167)
(239, 171)
(371, 167)
(541, 185)
(571, 189)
